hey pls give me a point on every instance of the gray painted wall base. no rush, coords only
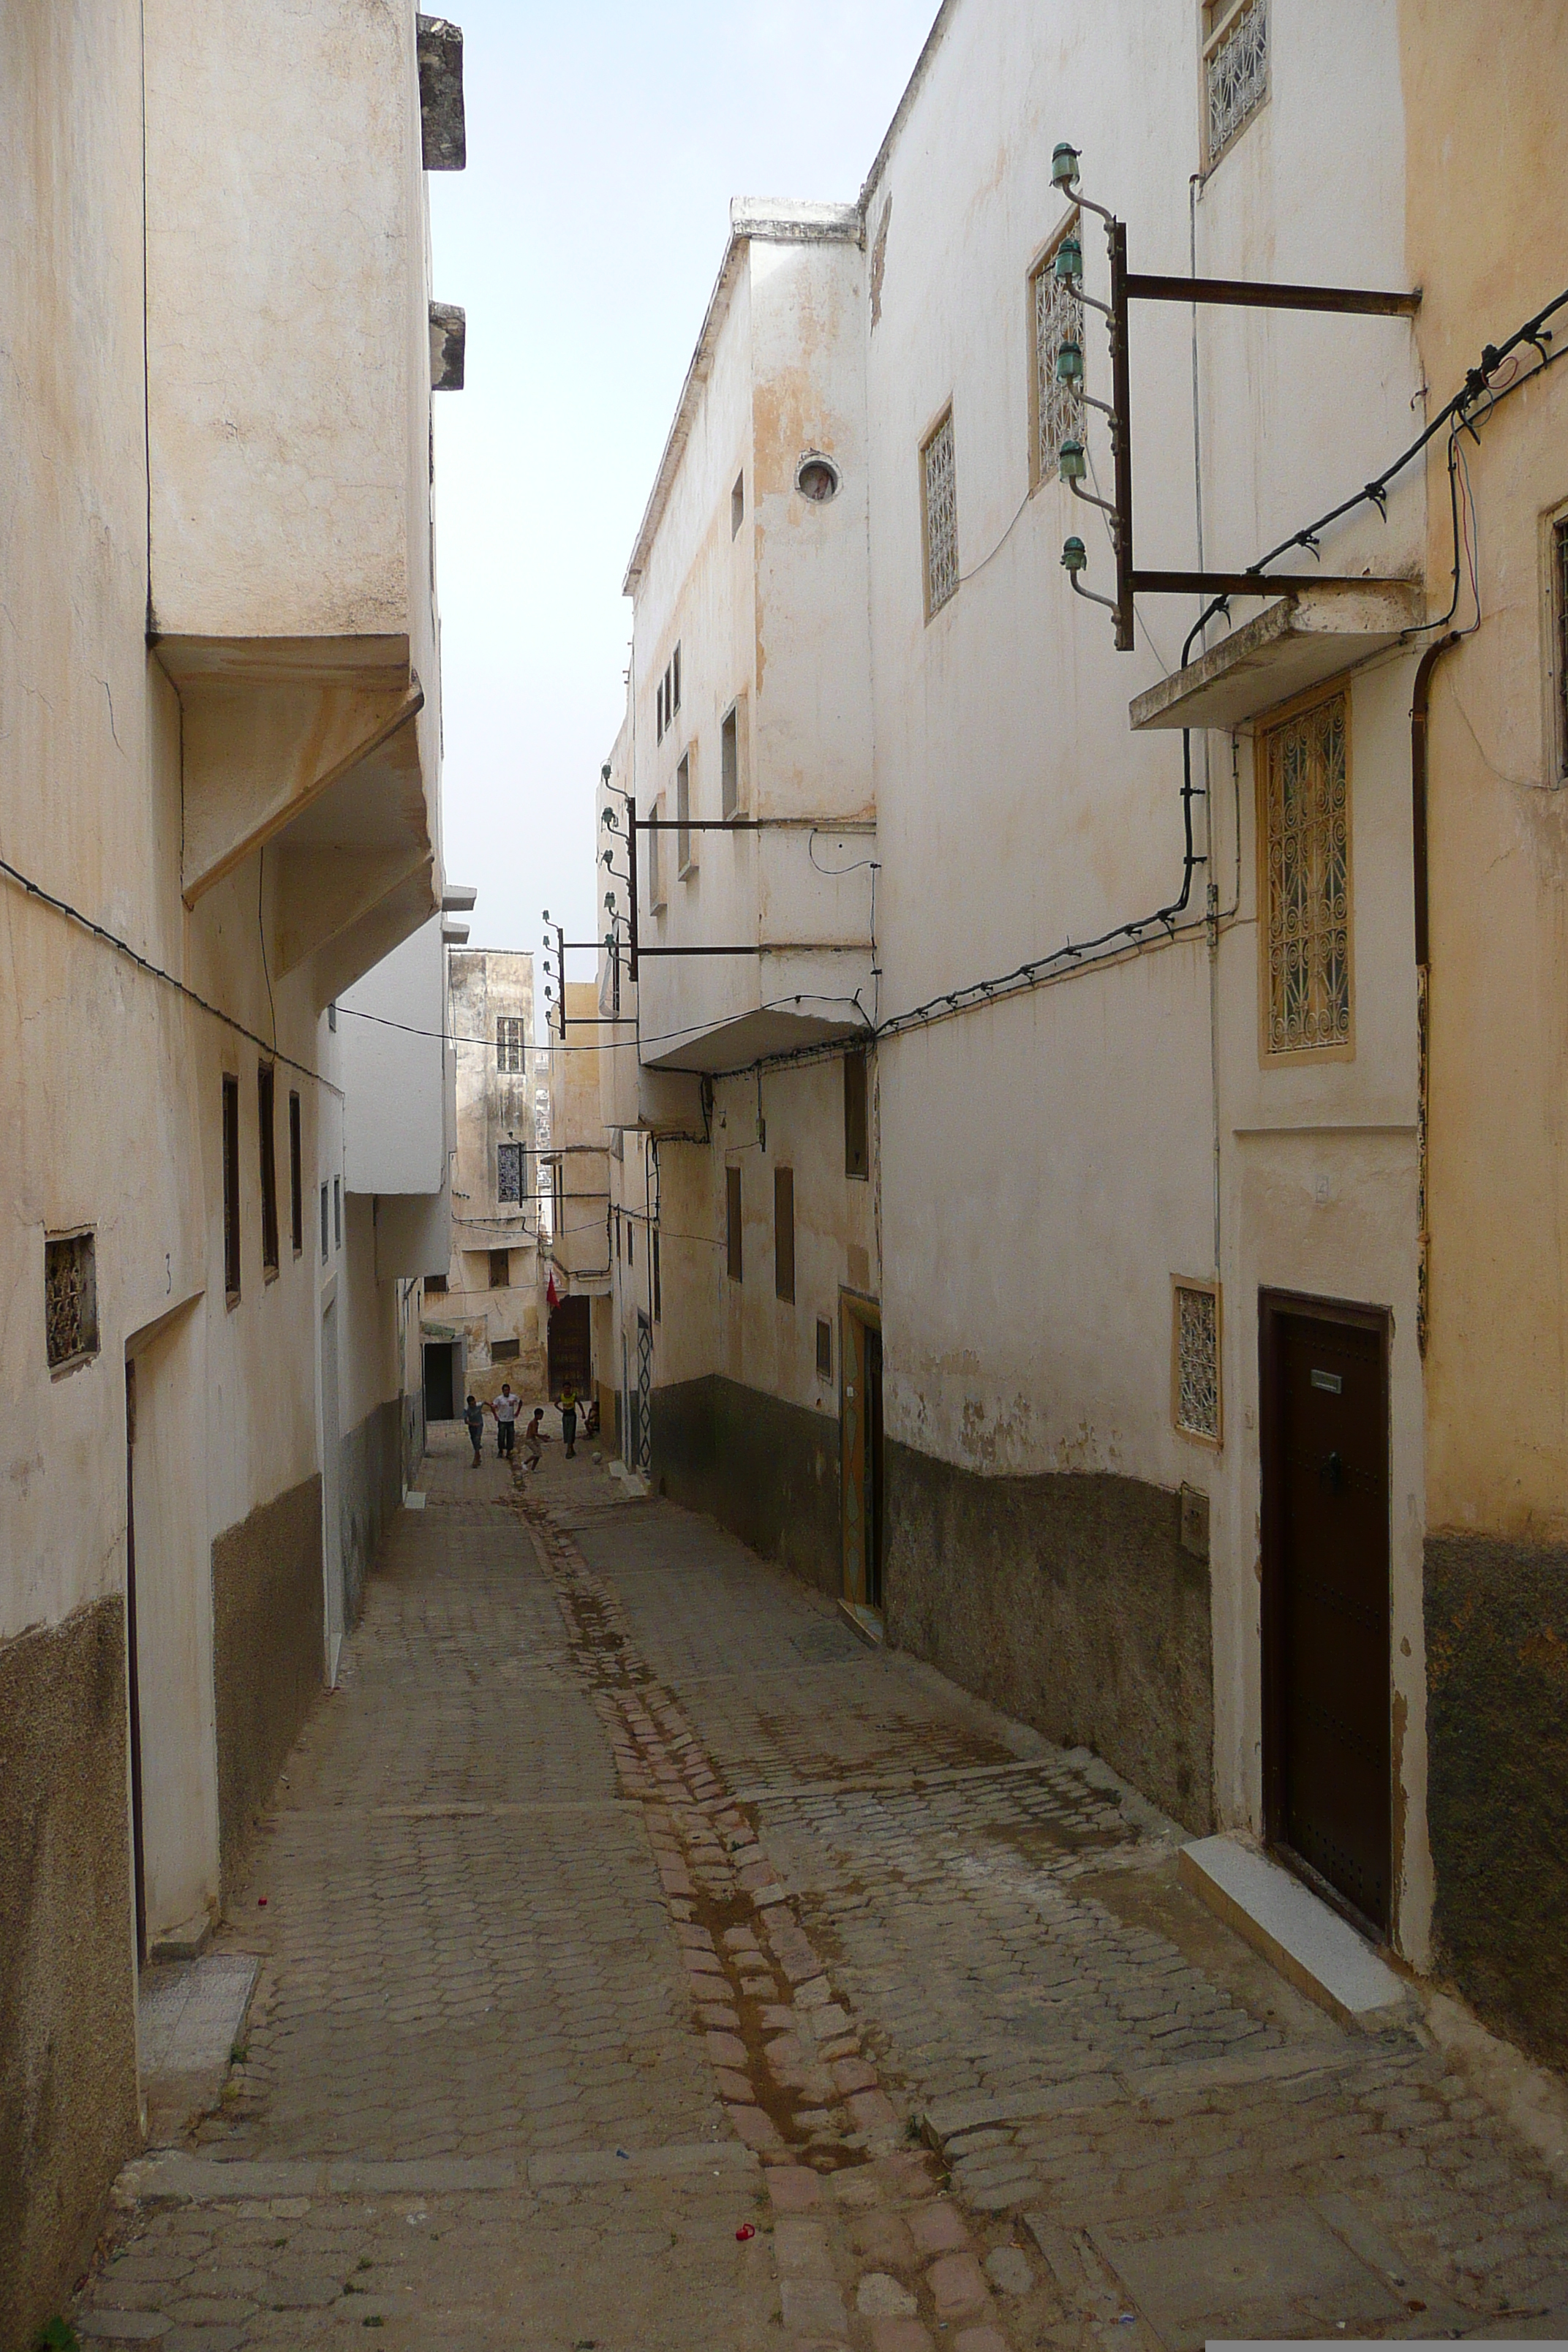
(1497, 1739)
(1067, 1601)
(767, 1470)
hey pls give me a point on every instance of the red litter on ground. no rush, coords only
(261, 1901)
(746, 2230)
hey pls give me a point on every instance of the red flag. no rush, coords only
(552, 1295)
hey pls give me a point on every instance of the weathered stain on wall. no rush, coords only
(268, 1638)
(68, 2026)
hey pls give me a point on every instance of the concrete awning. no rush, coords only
(1310, 635)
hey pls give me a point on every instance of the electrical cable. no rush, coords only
(144, 963)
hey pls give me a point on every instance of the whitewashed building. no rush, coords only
(1084, 1175)
(219, 810)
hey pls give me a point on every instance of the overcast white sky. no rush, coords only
(605, 139)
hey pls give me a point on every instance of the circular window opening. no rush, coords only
(817, 478)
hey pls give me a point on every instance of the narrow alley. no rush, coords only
(645, 1960)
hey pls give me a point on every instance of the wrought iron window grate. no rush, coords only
(511, 1043)
(940, 516)
(70, 1299)
(1197, 1360)
(509, 1171)
(1307, 833)
(1235, 69)
(1059, 319)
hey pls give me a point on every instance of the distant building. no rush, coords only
(580, 1327)
(480, 1324)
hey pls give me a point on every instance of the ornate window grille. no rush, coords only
(509, 1171)
(511, 1041)
(1195, 1367)
(940, 494)
(70, 1300)
(1307, 835)
(1235, 69)
(1059, 319)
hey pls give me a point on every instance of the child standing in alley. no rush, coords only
(474, 1415)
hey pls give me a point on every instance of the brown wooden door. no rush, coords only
(1326, 1741)
(860, 1439)
(570, 1346)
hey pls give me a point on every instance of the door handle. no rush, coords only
(1331, 1473)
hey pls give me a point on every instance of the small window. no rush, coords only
(332, 1017)
(231, 1187)
(1056, 317)
(501, 1269)
(435, 1285)
(1236, 70)
(655, 898)
(325, 1229)
(816, 477)
(653, 1257)
(784, 1234)
(675, 680)
(684, 860)
(631, 1240)
(738, 504)
(1195, 1359)
(939, 512)
(1304, 836)
(511, 1041)
(558, 1198)
(265, 1083)
(857, 1155)
(823, 1349)
(732, 1222)
(1560, 603)
(296, 1177)
(505, 1352)
(337, 1212)
(70, 1300)
(729, 761)
(509, 1171)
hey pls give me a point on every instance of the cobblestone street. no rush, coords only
(646, 1962)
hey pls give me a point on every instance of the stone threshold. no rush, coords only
(1311, 1947)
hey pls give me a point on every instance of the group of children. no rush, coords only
(506, 1408)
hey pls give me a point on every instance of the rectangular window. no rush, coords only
(325, 1229)
(732, 1222)
(265, 1083)
(1560, 601)
(738, 503)
(631, 1240)
(558, 1198)
(856, 1153)
(784, 1234)
(337, 1212)
(675, 681)
(656, 863)
(1236, 70)
(653, 1250)
(70, 1300)
(939, 514)
(823, 1349)
(730, 762)
(1195, 1359)
(296, 1177)
(231, 1187)
(509, 1171)
(1306, 883)
(684, 860)
(1056, 314)
(435, 1285)
(511, 1041)
(667, 701)
(501, 1269)
(505, 1352)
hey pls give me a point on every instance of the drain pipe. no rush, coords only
(1420, 703)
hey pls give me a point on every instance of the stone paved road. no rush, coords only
(622, 1900)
